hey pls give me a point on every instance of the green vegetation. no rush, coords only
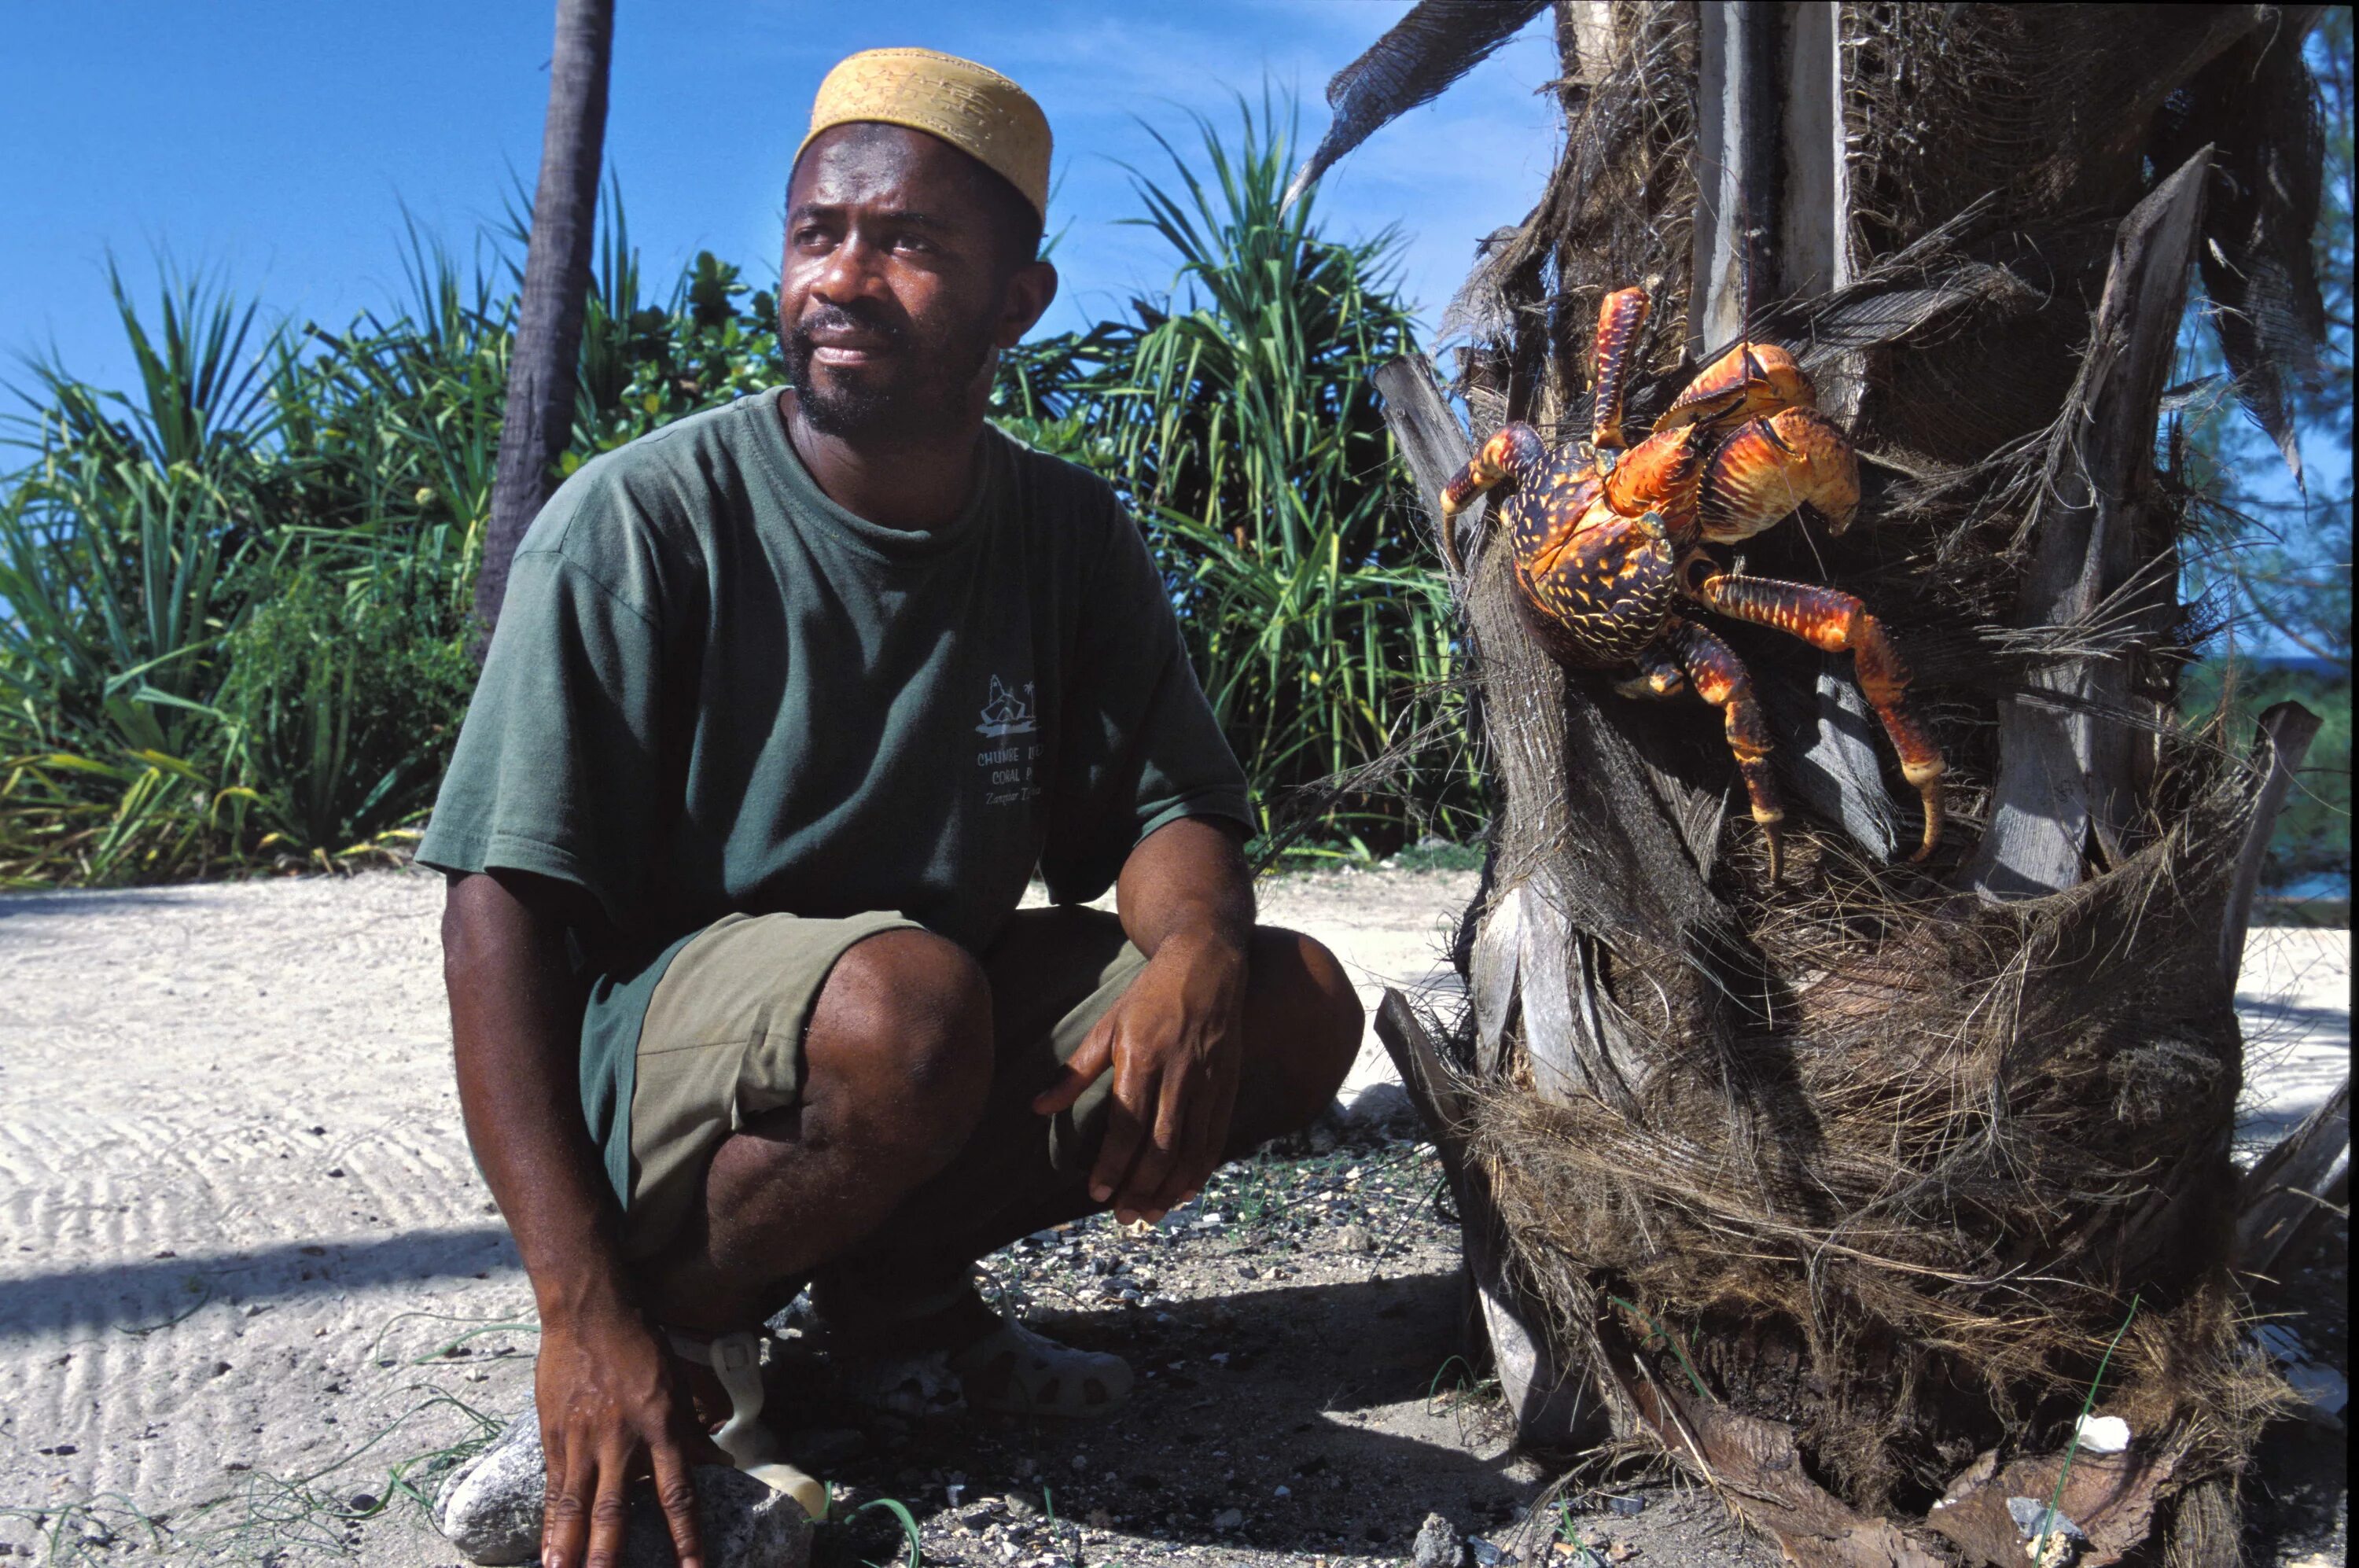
(235, 602)
(1236, 418)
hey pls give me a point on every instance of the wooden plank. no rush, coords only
(2066, 754)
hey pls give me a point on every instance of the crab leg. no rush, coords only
(1517, 452)
(1619, 318)
(1719, 678)
(1836, 622)
(1767, 467)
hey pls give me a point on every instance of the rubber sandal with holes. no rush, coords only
(1013, 1371)
(737, 1361)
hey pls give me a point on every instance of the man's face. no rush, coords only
(893, 299)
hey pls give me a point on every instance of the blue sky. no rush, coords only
(276, 142)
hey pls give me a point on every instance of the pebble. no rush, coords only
(490, 1508)
(1439, 1544)
(1229, 1519)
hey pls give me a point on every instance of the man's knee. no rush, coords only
(899, 1051)
(1304, 1020)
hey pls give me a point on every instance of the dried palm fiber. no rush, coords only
(1837, 1191)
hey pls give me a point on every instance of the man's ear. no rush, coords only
(1029, 291)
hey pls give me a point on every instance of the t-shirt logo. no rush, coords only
(1007, 714)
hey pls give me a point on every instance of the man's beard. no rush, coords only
(924, 391)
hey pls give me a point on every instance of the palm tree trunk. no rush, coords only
(539, 414)
(1849, 1191)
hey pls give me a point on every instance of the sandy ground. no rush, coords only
(238, 1222)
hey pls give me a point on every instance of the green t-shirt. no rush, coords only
(714, 691)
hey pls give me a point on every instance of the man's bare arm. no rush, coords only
(1187, 880)
(1175, 1041)
(516, 1033)
(602, 1385)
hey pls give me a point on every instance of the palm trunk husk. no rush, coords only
(1835, 1193)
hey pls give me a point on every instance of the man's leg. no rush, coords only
(896, 1067)
(1021, 1173)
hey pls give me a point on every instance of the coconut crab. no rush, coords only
(1610, 557)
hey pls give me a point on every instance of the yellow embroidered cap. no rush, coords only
(971, 106)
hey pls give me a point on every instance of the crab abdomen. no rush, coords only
(1600, 588)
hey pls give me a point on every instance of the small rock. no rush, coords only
(1380, 1106)
(1620, 1551)
(491, 1507)
(1229, 1519)
(1439, 1544)
(1627, 1507)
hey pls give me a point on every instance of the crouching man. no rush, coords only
(787, 703)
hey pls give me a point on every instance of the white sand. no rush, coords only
(230, 1158)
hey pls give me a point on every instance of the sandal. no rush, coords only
(1014, 1371)
(736, 1360)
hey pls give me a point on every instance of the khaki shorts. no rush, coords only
(723, 1043)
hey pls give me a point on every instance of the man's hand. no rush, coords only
(1175, 1041)
(1175, 1044)
(611, 1413)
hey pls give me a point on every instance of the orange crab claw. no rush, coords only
(1751, 379)
(1769, 467)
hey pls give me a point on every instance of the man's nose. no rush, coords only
(852, 271)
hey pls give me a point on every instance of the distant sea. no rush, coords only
(2301, 663)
